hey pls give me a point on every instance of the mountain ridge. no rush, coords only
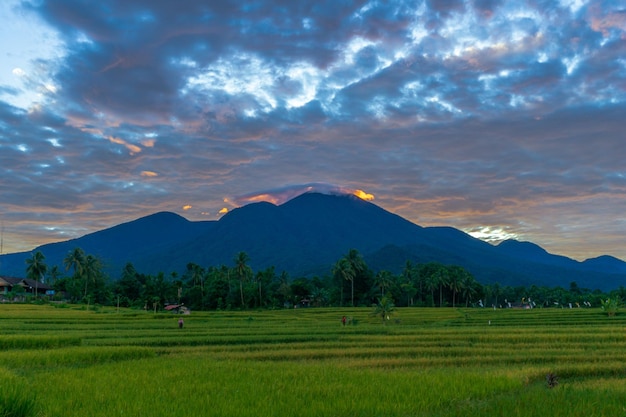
(307, 234)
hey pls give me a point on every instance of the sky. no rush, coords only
(504, 119)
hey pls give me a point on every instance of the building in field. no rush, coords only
(22, 286)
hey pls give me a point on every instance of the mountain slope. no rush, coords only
(307, 234)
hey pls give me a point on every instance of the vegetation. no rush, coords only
(610, 306)
(74, 361)
(350, 283)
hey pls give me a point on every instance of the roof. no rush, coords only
(24, 282)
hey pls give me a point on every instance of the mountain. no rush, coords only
(308, 234)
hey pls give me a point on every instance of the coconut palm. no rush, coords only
(36, 268)
(91, 270)
(455, 281)
(358, 267)
(384, 279)
(468, 289)
(343, 269)
(75, 260)
(243, 271)
(384, 308)
(408, 276)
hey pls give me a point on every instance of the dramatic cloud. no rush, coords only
(501, 118)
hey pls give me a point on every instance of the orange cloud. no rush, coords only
(363, 195)
(263, 197)
(223, 211)
(187, 207)
(149, 174)
(148, 143)
(132, 148)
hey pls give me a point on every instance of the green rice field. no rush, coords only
(72, 361)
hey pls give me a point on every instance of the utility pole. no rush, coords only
(1, 242)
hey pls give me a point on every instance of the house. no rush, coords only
(29, 286)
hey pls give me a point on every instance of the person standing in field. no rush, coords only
(343, 320)
(181, 323)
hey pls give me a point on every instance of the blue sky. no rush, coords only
(504, 119)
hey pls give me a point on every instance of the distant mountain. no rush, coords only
(307, 234)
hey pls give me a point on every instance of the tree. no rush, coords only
(196, 274)
(357, 266)
(243, 272)
(36, 268)
(443, 277)
(610, 306)
(408, 276)
(54, 274)
(92, 270)
(469, 287)
(75, 260)
(384, 279)
(428, 273)
(383, 309)
(344, 270)
(455, 281)
(128, 287)
(264, 277)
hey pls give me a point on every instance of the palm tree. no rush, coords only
(384, 280)
(75, 260)
(431, 282)
(444, 278)
(54, 274)
(36, 268)
(358, 267)
(408, 273)
(343, 269)
(384, 308)
(243, 271)
(266, 276)
(91, 269)
(455, 281)
(197, 277)
(469, 287)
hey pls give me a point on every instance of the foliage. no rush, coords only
(351, 282)
(610, 306)
(383, 309)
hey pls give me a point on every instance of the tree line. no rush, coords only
(350, 282)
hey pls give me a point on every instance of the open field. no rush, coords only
(426, 362)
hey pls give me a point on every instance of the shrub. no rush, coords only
(610, 306)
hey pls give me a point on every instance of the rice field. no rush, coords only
(424, 362)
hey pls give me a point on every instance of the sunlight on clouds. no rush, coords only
(187, 207)
(309, 77)
(363, 195)
(261, 197)
(133, 149)
(54, 142)
(223, 211)
(236, 75)
(149, 174)
(354, 47)
(573, 5)
(491, 234)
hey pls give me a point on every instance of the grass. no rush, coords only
(427, 362)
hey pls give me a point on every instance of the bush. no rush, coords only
(610, 306)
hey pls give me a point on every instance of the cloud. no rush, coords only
(496, 116)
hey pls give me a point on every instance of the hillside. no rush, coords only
(307, 234)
